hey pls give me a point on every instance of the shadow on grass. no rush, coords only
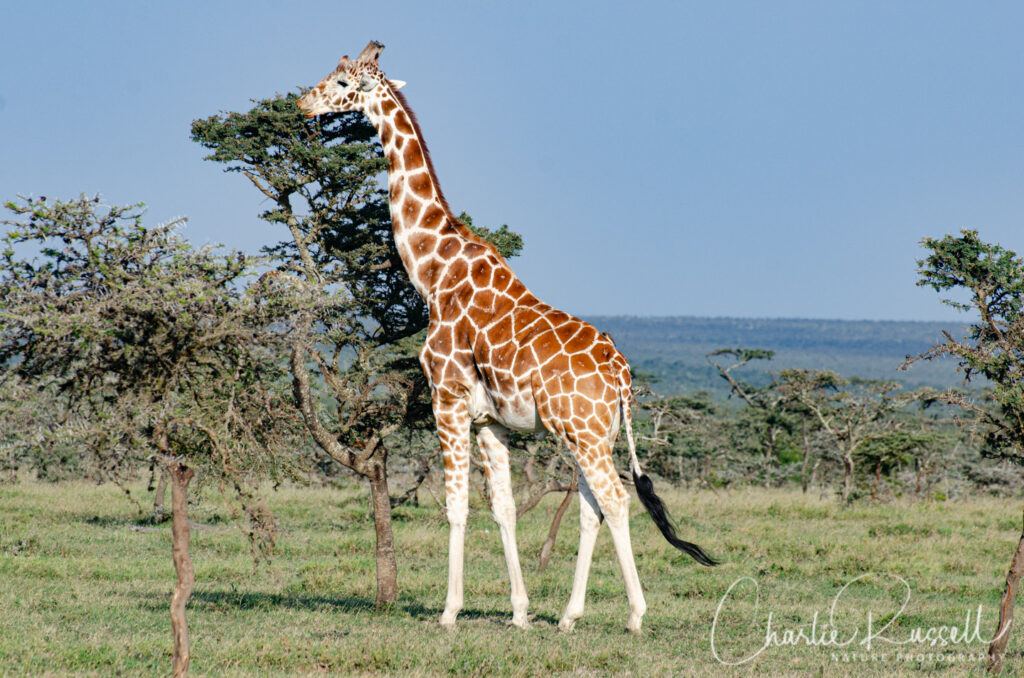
(149, 521)
(501, 616)
(225, 601)
(241, 600)
(106, 521)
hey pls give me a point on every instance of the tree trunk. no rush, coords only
(917, 479)
(551, 485)
(387, 567)
(771, 455)
(556, 522)
(807, 458)
(158, 498)
(181, 475)
(530, 466)
(997, 650)
(847, 477)
(372, 468)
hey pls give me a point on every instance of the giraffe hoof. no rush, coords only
(447, 621)
(633, 625)
(566, 625)
(519, 622)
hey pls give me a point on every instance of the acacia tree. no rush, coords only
(33, 415)
(884, 454)
(151, 349)
(681, 435)
(769, 410)
(993, 279)
(852, 413)
(354, 345)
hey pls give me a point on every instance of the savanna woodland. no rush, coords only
(279, 397)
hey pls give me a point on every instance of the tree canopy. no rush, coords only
(151, 345)
(355, 374)
(992, 277)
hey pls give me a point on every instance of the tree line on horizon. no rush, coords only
(673, 349)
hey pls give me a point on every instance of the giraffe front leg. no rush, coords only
(453, 429)
(493, 442)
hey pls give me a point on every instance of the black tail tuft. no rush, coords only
(654, 506)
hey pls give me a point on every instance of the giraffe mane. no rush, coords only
(460, 227)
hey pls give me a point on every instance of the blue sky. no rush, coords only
(750, 159)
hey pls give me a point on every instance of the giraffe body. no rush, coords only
(497, 358)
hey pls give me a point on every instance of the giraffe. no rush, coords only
(499, 359)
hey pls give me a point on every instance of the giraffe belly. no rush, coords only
(518, 412)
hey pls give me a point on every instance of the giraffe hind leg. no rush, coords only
(493, 443)
(590, 440)
(604, 496)
(613, 500)
(590, 523)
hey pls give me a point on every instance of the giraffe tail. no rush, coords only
(645, 487)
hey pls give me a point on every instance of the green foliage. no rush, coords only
(677, 434)
(360, 326)
(899, 448)
(323, 176)
(744, 355)
(128, 340)
(508, 243)
(992, 274)
(993, 277)
(803, 424)
(352, 364)
(848, 407)
(768, 420)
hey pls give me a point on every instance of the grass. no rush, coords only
(85, 591)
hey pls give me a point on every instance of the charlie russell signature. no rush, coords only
(877, 630)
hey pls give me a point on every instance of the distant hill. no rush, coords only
(673, 348)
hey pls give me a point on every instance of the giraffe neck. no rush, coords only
(419, 212)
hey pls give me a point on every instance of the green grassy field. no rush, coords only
(85, 589)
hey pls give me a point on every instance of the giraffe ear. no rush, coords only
(371, 52)
(343, 61)
(397, 84)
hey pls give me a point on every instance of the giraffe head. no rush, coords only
(353, 86)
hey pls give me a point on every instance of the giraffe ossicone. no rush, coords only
(498, 358)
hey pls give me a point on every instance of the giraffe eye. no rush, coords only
(343, 83)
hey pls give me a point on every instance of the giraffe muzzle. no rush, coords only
(305, 106)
